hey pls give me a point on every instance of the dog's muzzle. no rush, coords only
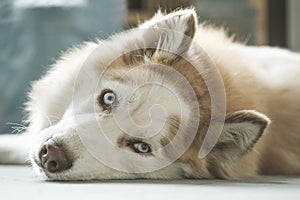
(53, 158)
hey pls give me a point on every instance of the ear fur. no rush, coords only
(170, 33)
(242, 129)
(183, 21)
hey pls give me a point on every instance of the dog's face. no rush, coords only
(139, 109)
(121, 130)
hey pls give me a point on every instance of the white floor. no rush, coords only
(19, 182)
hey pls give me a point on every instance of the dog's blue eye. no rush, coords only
(141, 147)
(109, 98)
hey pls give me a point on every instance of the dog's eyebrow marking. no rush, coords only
(121, 79)
(173, 123)
(122, 141)
(125, 141)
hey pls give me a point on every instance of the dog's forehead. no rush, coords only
(142, 71)
(145, 73)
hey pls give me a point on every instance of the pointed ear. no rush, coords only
(172, 33)
(241, 131)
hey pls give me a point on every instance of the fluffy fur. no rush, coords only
(261, 85)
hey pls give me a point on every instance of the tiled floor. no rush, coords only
(19, 182)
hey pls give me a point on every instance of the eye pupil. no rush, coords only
(109, 98)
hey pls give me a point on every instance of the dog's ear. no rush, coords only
(170, 33)
(242, 129)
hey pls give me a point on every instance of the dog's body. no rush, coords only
(256, 79)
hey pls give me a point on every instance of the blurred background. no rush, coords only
(33, 33)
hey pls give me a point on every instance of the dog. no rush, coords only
(169, 99)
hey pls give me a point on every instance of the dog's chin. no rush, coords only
(39, 171)
(44, 175)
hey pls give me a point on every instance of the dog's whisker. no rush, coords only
(17, 127)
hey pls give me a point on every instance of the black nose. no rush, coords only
(53, 158)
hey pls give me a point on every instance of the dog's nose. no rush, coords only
(53, 158)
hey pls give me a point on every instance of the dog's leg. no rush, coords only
(14, 149)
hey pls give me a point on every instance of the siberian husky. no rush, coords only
(169, 99)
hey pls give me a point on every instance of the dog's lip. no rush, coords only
(37, 162)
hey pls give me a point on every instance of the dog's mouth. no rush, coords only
(37, 162)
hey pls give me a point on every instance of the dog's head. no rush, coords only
(139, 106)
